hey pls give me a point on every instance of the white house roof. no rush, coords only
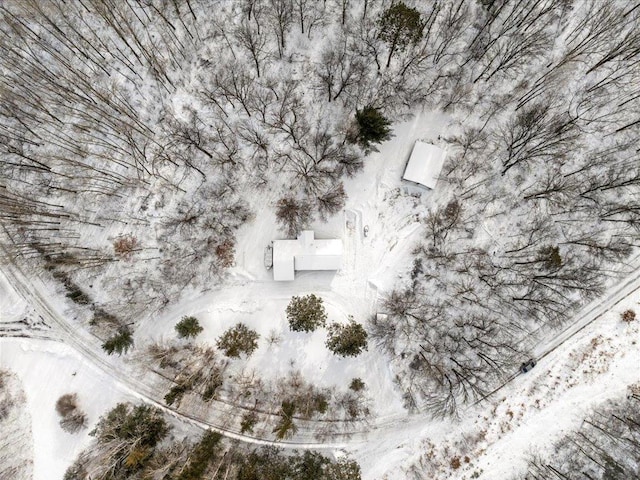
(283, 268)
(305, 253)
(425, 164)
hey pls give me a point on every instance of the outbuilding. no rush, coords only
(425, 164)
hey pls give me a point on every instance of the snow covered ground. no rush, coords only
(47, 371)
(491, 440)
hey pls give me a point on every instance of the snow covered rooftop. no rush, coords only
(425, 164)
(305, 253)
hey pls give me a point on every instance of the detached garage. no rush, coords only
(425, 164)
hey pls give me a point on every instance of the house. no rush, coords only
(425, 164)
(305, 253)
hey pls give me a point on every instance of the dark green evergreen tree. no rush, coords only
(119, 343)
(400, 26)
(140, 424)
(264, 464)
(188, 327)
(238, 340)
(308, 465)
(201, 456)
(357, 385)
(372, 127)
(176, 393)
(248, 421)
(305, 314)
(285, 428)
(347, 340)
(550, 258)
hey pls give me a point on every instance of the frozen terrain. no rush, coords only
(151, 151)
(492, 439)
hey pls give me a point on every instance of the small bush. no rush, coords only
(66, 404)
(102, 317)
(188, 327)
(76, 295)
(550, 258)
(285, 428)
(226, 253)
(305, 314)
(347, 340)
(628, 316)
(175, 394)
(357, 385)
(125, 245)
(73, 419)
(238, 340)
(274, 338)
(211, 388)
(248, 421)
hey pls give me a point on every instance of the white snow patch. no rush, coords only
(47, 371)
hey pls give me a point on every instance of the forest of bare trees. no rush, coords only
(132, 134)
(541, 212)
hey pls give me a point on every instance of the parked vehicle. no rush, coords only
(528, 365)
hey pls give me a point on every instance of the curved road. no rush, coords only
(219, 412)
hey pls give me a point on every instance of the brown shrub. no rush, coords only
(125, 245)
(73, 419)
(628, 316)
(226, 253)
(66, 404)
(74, 422)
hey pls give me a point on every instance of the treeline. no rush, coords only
(198, 374)
(135, 442)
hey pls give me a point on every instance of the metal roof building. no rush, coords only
(425, 164)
